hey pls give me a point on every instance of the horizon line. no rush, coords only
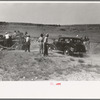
(45, 23)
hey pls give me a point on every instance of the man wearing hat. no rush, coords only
(40, 40)
(27, 43)
(7, 36)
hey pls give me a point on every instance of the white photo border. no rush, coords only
(44, 89)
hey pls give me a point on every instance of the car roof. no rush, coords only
(70, 38)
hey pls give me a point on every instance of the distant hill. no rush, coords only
(90, 30)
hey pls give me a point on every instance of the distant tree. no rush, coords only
(2, 23)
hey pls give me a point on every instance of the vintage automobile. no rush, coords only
(70, 45)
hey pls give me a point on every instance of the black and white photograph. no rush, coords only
(49, 41)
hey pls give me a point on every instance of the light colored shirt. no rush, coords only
(27, 39)
(7, 36)
(46, 40)
(40, 39)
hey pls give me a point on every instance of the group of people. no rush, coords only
(43, 41)
(86, 42)
(43, 44)
(25, 40)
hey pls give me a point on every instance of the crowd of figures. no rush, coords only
(86, 42)
(25, 41)
(43, 44)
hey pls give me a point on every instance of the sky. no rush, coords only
(51, 13)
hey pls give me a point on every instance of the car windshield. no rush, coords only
(68, 40)
(61, 39)
(76, 40)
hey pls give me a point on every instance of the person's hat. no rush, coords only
(26, 33)
(41, 35)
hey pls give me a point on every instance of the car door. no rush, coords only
(59, 44)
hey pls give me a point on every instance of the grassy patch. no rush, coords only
(81, 61)
(1, 55)
(71, 59)
(62, 29)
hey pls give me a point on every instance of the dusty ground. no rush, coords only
(19, 66)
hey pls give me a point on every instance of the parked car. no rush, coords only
(70, 45)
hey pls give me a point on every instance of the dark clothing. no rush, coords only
(6, 42)
(45, 49)
(27, 47)
(40, 40)
(7, 36)
(10, 41)
(41, 48)
(46, 46)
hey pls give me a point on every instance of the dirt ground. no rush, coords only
(17, 65)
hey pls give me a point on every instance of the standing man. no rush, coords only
(46, 45)
(41, 44)
(7, 36)
(27, 43)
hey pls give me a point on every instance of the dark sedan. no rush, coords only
(70, 45)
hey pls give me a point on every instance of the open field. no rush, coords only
(21, 66)
(17, 65)
(92, 31)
